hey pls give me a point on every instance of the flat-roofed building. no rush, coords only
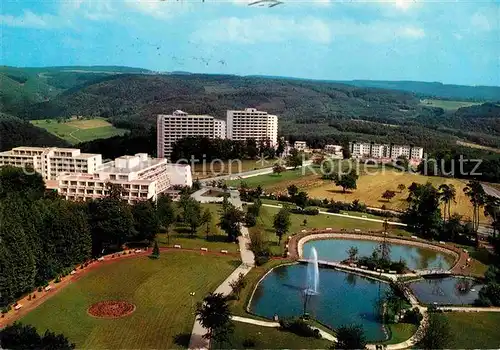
(382, 151)
(300, 145)
(252, 124)
(179, 124)
(51, 161)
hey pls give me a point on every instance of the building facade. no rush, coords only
(385, 151)
(300, 145)
(252, 124)
(81, 176)
(179, 124)
(51, 161)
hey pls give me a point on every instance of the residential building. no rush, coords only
(140, 176)
(51, 161)
(220, 128)
(385, 151)
(179, 124)
(333, 149)
(300, 145)
(252, 124)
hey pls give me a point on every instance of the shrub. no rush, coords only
(299, 327)
(248, 343)
(39, 289)
(250, 220)
(413, 316)
(57, 280)
(261, 260)
(34, 296)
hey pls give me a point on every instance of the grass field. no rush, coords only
(400, 332)
(448, 104)
(211, 169)
(271, 338)
(75, 131)
(475, 145)
(369, 188)
(217, 239)
(473, 330)
(159, 289)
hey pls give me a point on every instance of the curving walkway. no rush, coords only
(324, 335)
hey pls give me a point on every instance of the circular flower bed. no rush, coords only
(111, 309)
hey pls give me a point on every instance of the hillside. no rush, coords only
(15, 132)
(440, 90)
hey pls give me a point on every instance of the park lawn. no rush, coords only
(217, 239)
(448, 104)
(160, 289)
(270, 181)
(75, 131)
(370, 188)
(266, 218)
(400, 332)
(271, 338)
(473, 330)
(206, 169)
(482, 258)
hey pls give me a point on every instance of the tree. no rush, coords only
(294, 160)
(230, 221)
(156, 251)
(388, 195)
(401, 188)
(423, 214)
(207, 220)
(281, 147)
(437, 333)
(278, 169)
(146, 222)
(166, 213)
(350, 337)
(23, 181)
(352, 253)
(448, 194)
(346, 152)
(292, 191)
(453, 227)
(474, 190)
(192, 215)
(492, 210)
(254, 209)
(25, 337)
(281, 223)
(347, 181)
(214, 315)
(250, 220)
(238, 285)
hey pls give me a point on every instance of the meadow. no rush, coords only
(210, 169)
(160, 289)
(448, 104)
(79, 130)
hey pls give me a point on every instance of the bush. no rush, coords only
(39, 289)
(413, 316)
(299, 327)
(57, 280)
(261, 260)
(248, 343)
(250, 220)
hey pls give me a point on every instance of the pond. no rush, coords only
(415, 257)
(343, 298)
(452, 290)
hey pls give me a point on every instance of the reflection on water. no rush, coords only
(415, 257)
(446, 291)
(343, 298)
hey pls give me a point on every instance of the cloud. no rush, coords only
(485, 19)
(30, 19)
(412, 32)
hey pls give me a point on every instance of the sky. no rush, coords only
(455, 42)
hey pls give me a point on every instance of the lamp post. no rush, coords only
(192, 299)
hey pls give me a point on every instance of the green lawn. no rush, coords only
(266, 217)
(160, 290)
(269, 180)
(271, 338)
(448, 104)
(400, 332)
(217, 239)
(75, 131)
(473, 330)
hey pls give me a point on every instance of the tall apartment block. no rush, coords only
(380, 151)
(179, 124)
(140, 176)
(251, 123)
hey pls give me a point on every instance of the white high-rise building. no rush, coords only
(252, 124)
(51, 161)
(179, 124)
(385, 151)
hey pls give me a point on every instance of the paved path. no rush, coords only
(324, 335)
(469, 309)
(197, 341)
(346, 216)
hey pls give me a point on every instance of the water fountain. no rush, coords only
(312, 282)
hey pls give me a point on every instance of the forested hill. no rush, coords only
(439, 90)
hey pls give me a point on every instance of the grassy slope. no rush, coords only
(448, 104)
(159, 288)
(474, 330)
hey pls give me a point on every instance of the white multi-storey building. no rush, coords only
(373, 150)
(51, 161)
(252, 124)
(179, 124)
(140, 176)
(300, 145)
